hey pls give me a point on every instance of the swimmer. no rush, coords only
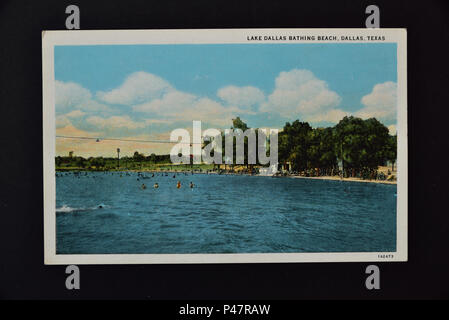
(143, 186)
(178, 185)
(191, 184)
(100, 207)
(156, 185)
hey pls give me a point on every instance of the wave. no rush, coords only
(67, 209)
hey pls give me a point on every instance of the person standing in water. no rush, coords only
(191, 185)
(178, 185)
(143, 186)
(156, 185)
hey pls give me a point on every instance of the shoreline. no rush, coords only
(336, 178)
(333, 178)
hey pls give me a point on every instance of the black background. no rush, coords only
(22, 272)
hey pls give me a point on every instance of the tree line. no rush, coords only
(106, 163)
(359, 145)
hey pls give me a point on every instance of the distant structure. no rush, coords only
(269, 171)
(70, 154)
(118, 157)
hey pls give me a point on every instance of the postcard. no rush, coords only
(225, 146)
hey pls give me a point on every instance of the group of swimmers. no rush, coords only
(178, 185)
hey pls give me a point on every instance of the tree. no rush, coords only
(321, 153)
(283, 147)
(391, 150)
(237, 123)
(138, 156)
(376, 139)
(97, 162)
(80, 163)
(348, 142)
(360, 144)
(294, 143)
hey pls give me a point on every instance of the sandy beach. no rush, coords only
(345, 179)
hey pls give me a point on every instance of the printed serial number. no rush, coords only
(385, 256)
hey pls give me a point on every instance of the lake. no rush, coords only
(99, 213)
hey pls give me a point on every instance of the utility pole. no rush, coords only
(118, 158)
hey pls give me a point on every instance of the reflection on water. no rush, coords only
(111, 213)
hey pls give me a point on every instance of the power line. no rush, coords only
(98, 139)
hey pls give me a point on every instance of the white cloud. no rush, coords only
(150, 94)
(115, 122)
(139, 87)
(157, 121)
(181, 106)
(72, 131)
(298, 93)
(171, 103)
(75, 114)
(380, 103)
(211, 111)
(332, 116)
(62, 121)
(241, 96)
(392, 129)
(94, 106)
(291, 80)
(72, 96)
(69, 95)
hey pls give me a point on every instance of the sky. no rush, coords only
(143, 92)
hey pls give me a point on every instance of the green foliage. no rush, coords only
(136, 162)
(363, 145)
(391, 150)
(138, 157)
(294, 143)
(237, 123)
(321, 150)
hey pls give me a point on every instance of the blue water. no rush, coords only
(222, 214)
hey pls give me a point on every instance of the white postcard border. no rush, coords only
(215, 36)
